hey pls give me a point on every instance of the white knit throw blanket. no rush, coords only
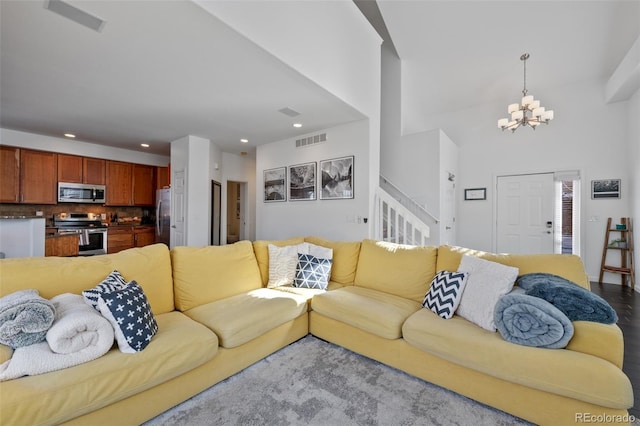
(79, 334)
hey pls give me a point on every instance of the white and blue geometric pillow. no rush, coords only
(113, 282)
(129, 313)
(312, 272)
(445, 293)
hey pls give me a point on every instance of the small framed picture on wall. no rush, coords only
(475, 194)
(275, 185)
(605, 188)
(302, 182)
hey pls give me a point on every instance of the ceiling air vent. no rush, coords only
(311, 140)
(289, 112)
(75, 14)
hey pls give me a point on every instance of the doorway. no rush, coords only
(216, 212)
(538, 213)
(235, 211)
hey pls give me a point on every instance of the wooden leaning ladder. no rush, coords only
(625, 245)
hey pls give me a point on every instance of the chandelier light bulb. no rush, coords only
(528, 112)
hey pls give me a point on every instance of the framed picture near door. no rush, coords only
(605, 188)
(302, 182)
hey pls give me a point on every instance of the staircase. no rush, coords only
(398, 218)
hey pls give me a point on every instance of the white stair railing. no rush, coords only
(395, 223)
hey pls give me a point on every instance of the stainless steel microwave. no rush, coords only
(81, 193)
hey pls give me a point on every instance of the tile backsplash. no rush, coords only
(49, 210)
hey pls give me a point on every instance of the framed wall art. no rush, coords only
(605, 188)
(275, 185)
(475, 194)
(336, 177)
(302, 182)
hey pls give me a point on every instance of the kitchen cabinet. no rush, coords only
(76, 169)
(93, 171)
(119, 238)
(9, 174)
(38, 177)
(61, 245)
(143, 185)
(119, 177)
(144, 236)
(162, 177)
(69, 168)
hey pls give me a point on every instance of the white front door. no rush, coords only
(525, 213)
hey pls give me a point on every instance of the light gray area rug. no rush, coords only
(312, 382)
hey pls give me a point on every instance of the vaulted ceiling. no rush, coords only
(160, 70)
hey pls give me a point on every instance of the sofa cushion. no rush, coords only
(373, 311)
(402, 270)
(487, 283)
(345, 258)
(205, 274)
(445, 293)
(261, 251)
(241, 318)
(282, 263)
(114, 281)
(129, 313)
(150, 266)
(180, 345)
(568, 266)
(558, 371)
(312, 272)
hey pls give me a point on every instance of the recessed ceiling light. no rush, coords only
(298, 125)
(70, 135)
(144, 145)
(244, 140)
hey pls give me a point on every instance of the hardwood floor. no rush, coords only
(626, 302)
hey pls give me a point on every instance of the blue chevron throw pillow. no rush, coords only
(445, 293)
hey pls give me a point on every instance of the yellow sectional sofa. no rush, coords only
(216, 316)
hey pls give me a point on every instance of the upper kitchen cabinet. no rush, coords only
(143, 185)
(119, 183)
(76, 169)
(69, 168)
(162, 177)
(93, 171)
(9, 174)
(38, 177)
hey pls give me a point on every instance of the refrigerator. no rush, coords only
(163, 216)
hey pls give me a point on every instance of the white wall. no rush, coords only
(329, 42)
(586, 134)
(192, 154)
(332, 219)
(634, 160)
(77, 147)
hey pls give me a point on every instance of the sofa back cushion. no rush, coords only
(207, 274)
(345, 258)
(398, 269)
(564, 265)
(261, 250)
(149, 266)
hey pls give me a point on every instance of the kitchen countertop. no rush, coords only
(22, 217)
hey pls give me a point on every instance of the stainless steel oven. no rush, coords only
(92, 234)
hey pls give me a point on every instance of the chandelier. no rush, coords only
(528, 112)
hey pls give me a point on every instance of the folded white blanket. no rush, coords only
(79, 334)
